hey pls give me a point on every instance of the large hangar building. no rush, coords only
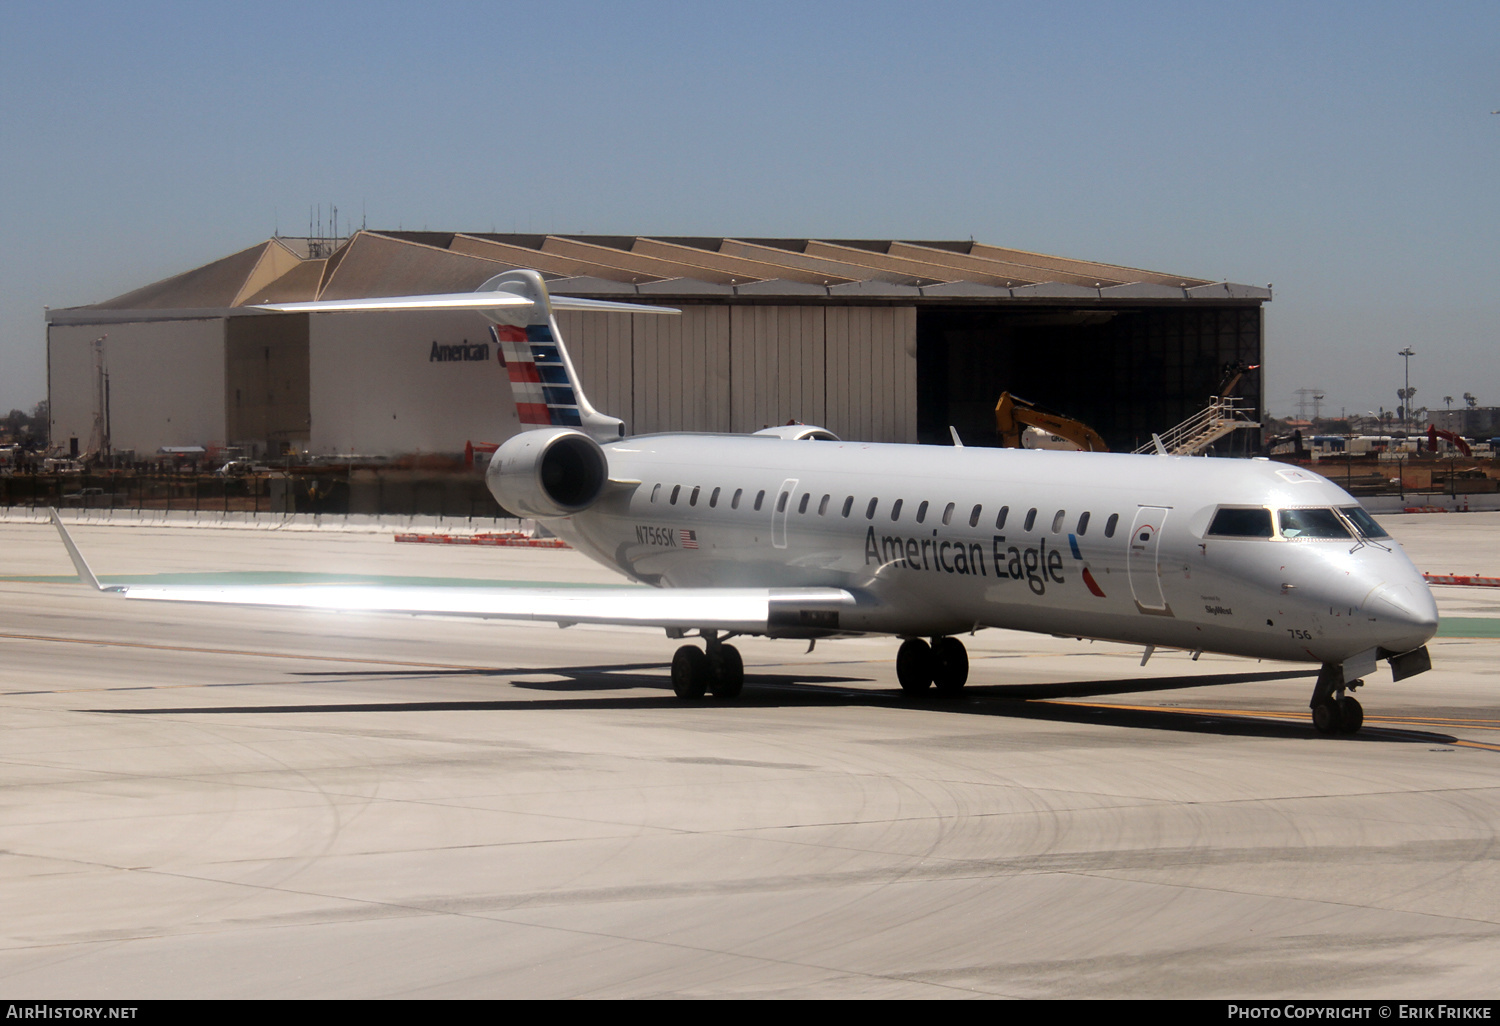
(877, 340)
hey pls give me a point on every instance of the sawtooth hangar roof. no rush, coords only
(385, 263)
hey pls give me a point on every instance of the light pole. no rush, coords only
(1406, 355)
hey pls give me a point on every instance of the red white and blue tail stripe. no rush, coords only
(545, 396)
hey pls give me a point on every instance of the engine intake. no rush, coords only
(551, 472)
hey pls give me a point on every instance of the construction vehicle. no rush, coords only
(1022, 425)
(1434, 433)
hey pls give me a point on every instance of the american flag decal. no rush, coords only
(689, 539)
(538, 376)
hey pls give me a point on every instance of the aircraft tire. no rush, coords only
(691, 673)
(950, 665)
(914, 665)
(1351, 715)
(728, 671)
(1325, 717)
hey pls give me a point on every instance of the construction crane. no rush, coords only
(99, 436)
(1014, 415)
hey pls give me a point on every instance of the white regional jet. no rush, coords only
(792, 533)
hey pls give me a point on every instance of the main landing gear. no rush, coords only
(720, 670)
(1334, 711)
(944, 663)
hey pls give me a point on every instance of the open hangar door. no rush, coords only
(1125, 371)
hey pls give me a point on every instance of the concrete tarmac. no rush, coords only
(214, 802)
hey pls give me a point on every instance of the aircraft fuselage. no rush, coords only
(938, 540)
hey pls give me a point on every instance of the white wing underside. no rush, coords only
(739, 610)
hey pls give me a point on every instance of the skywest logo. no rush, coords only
(1034, 564)
(463, 351)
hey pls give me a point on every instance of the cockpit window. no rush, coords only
(1363, 522)
(1241, 523)
(1311, 523)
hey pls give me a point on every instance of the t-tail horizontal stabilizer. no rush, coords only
(547, 390)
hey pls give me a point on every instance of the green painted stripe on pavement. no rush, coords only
(1469, 627)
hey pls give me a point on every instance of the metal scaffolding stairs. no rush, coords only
(1204, 428)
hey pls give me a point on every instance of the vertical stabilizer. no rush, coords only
(547, 390)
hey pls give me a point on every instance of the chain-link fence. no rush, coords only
(379, 491)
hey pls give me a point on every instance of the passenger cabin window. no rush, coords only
(848, 506)
(802, 506)
(676, 490)
(1111, 524)
(922, 512)
(896, 509)
(1311, 523)
(974, 516)
(823, 506)
(734, 503)
(713, 499)
(1030, 520)
(948, 514)
(693, 496)
(1057, 521)
(781, 502)
(870, 509)
(655, 491)
(1000, 518)
(1363, 522)
(760, 497)
(1241, 523)
(1083, 524)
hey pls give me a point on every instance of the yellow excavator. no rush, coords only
(1013, 416)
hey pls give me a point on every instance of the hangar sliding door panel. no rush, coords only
(72, 391)
(777, 366)
(681, 371)
(600, 346)
(165, 384)
(871, 373)
(398, 382)
(266, 391)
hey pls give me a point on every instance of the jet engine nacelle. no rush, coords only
(550, 472)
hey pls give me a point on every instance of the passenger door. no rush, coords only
(781, 510)
(1142, 563)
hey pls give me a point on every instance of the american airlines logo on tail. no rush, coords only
(544, 396)
(464, 351)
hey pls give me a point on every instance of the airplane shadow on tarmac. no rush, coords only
(767, 690)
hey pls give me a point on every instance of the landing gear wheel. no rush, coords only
(728, 671)
(950, 665)
(1325, 717)
(1351, 715)
(691, 673)
(914, 665)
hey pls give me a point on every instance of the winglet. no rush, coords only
(85, 575)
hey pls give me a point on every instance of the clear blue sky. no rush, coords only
(1343, 151)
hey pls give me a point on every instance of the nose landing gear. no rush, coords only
(1334, 711)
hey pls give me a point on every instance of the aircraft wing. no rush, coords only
(739, 610)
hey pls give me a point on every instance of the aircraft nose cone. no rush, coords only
(1408, 612)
